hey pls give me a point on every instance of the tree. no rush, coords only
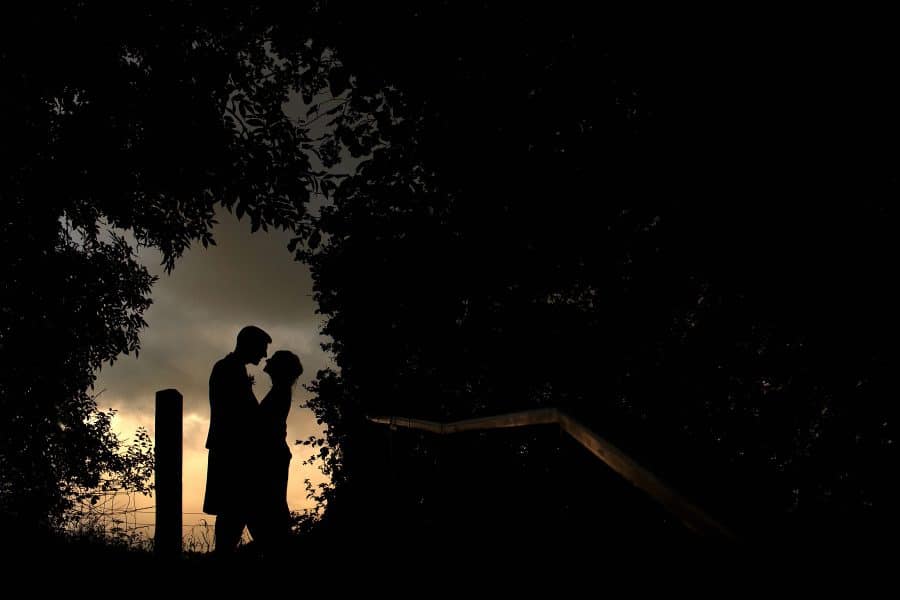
(138, 119)
(650, 213)
(66, 308)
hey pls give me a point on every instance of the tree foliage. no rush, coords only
(137, 119)
(67, 307)
(683, 239)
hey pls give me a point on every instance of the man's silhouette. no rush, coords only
(232, 439)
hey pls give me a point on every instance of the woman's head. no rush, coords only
(284, 367)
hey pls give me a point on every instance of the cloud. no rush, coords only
(198, 310)
(245, 276)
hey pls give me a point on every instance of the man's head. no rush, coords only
(252, 343)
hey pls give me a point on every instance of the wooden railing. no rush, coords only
(689, 513)
(169, 457)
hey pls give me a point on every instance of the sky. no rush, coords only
(246, 279)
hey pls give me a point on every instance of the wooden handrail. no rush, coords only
(517, 419)
(690, 514)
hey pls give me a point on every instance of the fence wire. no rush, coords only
(119, 517)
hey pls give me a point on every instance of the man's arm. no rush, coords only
(230, 403)
(218, 406)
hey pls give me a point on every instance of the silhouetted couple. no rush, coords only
(246, 482)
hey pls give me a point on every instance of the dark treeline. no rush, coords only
(681, 235)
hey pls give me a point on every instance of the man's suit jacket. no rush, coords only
(232, 437)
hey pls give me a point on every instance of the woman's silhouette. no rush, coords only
(273, 516)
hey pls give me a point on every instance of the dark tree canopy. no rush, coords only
(147, 116)
(684, 239)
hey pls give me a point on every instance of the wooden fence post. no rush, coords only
(169, 405)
